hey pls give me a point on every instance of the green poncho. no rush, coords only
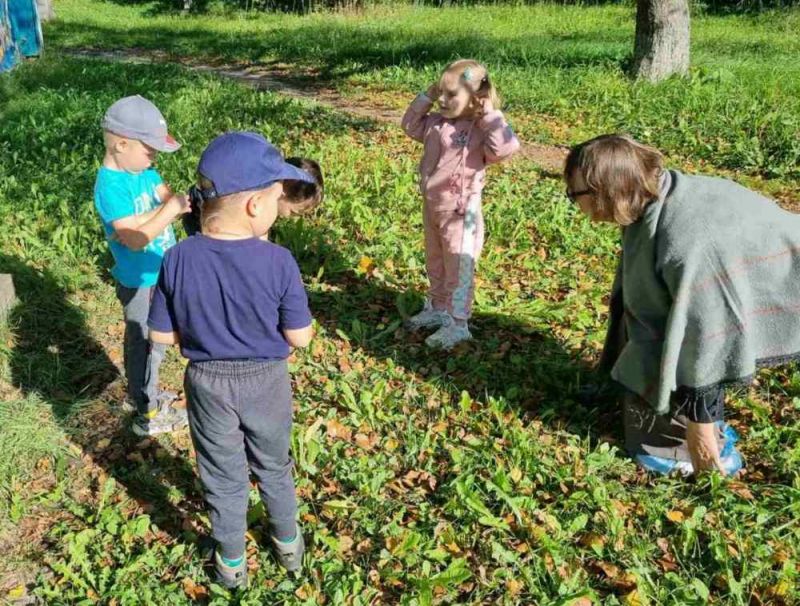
(707, 290)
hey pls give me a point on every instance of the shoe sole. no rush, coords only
(232, 586)
(435, 345)
(411, 326)
(145, 433)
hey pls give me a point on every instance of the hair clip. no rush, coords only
(467, 75)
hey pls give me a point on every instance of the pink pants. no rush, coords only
(453, 244)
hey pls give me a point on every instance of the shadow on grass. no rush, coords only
(338, 49)
(507, 358)
(158, 7)
(172, 7)
(56, 357)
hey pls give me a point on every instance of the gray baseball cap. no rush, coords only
(139, 119)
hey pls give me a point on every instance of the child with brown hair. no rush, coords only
(460, 140)
(298, 198)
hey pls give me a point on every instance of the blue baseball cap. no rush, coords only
(244, 161)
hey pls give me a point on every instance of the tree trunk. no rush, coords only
(45, 10)
(662, 39)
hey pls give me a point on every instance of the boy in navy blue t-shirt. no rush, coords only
(236, 304)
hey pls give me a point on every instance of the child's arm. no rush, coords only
(415, 118)
(135, 235)
(164, 338)
(293, 312)
(500, 141)
(164, 193)
(299, 337)
(161, 317)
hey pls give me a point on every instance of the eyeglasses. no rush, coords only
(574, 195)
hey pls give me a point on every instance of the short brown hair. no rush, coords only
(302, 196)
(622, 173)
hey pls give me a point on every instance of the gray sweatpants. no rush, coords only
(141, 357)
(240, 412)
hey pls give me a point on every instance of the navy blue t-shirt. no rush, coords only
(229, 299)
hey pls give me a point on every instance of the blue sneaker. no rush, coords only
(730, 457)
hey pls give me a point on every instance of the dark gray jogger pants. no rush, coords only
(240, 413)
(142, 358)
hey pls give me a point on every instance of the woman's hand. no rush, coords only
(701, 438)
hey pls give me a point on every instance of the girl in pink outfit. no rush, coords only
(467, 133)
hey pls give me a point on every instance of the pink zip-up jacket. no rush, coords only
(456, 152)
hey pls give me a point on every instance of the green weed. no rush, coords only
(423, 478)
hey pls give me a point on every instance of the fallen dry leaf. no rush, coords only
(367, 442)
(610, 570)
(632, 599)
(513, 586)
(366, 264)
(364, 546)
(593, 540)
(345, 544)
(194, 591)
(676, 516)
(337, 430)
(741, 489)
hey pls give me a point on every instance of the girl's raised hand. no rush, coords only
(486, 105)
(433, 92)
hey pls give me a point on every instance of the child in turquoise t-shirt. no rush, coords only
(137, 210)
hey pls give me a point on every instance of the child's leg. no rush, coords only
(265, 408)
(434, 259)
(463, 241)
(212, 391)
(142, 359)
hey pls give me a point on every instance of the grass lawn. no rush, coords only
(424, 478)
(559, 68)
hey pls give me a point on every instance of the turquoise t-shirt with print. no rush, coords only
(117, 195)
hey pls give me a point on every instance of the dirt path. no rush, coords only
(304, 85)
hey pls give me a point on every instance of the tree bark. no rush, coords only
(662, 39)
(45, 10)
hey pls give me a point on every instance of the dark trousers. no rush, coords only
(240, 413)
(142, 358)
(664, 436)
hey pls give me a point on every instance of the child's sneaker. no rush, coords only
(290, 555)
(449, 335)
(231, 576)
(165, 398)
(427, 318)
(128, 405)
(163, 419)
